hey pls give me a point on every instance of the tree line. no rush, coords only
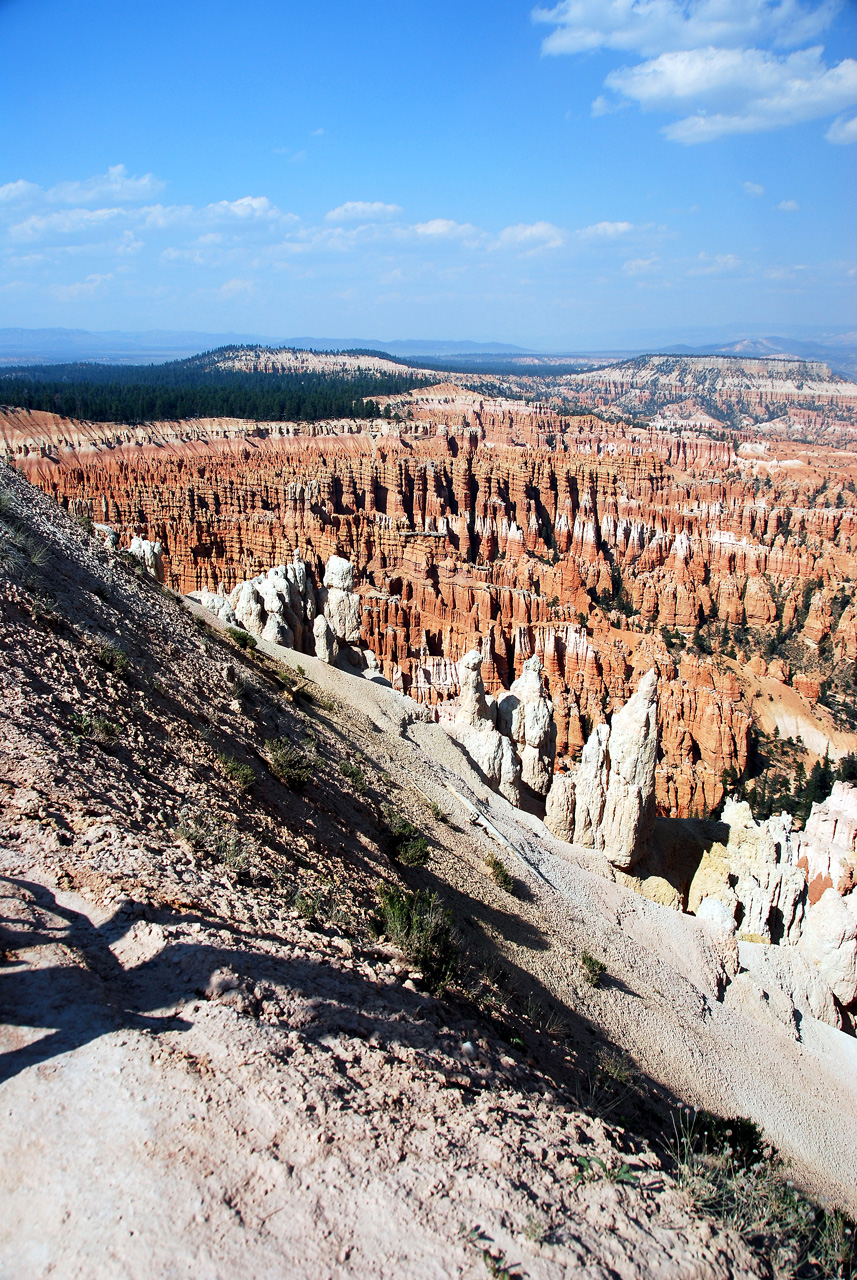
(187, 389)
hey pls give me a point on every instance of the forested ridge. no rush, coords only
(195, 388)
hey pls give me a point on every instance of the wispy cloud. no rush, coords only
(116, 185)
(362, 211)
(532, 236)
(754, 189)
(714, 264)
(641, 266)
(605, 230)
(650, 27)
(842, 131)
(738, 90)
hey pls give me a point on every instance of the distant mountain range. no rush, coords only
(24, 346)
(837, 347)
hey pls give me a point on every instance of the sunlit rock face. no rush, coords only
(614, 787)
(474, 726)
(525, 714)
(498, 525)
(827, 849)
(342, 606)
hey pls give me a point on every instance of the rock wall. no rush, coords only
(459, 538)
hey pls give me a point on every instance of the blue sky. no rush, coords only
(557, 177)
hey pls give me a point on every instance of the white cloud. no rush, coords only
(606, 106)
(443, 229)
(248, 208)
(719, 63)
(708, 264)
(788, 206)
(737, 90)
(754, 189)
(116, 184)
(533, 236)
(70, 222)
(19, 190)
(605, 230)
(81, 288)
(232, 288)
(362, 211)
(842, 131)
(641, 266)
(651, 27)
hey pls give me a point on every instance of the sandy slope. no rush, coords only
(668, 1001)
(195, 1081)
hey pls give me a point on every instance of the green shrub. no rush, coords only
(355, 776)
(242, 638)
(500, 872)
(406, 843)
(212, 836)
(95, 728)
(287, 763)
(421, 927)
(307, 904)
(110, 657)
(593, 968)
(19, 548)
(733, 1174)
(241, 774)
(84, 521)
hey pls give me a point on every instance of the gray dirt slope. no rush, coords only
(211, 1065)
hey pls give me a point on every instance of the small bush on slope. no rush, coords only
(214, 838)
(419, 924)
(241, 774)
(287, 763)
(730, 1172)
(500, 873)
(406, 843)
(355, 776)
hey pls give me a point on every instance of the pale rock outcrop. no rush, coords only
(559, 808)
(827, 848)
(755, 875)
(150, 554)
(474, 727)
(615, 782)
(525, 714)
(717, 916)
(248, 607)
(829, 941)
(788, 970)
(277, 606)
(342, 606)
(219, 605)
(325, 641)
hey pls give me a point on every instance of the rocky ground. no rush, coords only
(212, 1063)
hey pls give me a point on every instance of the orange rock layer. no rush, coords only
(461, 537)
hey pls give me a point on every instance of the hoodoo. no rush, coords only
(614, 787)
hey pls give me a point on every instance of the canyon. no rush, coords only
(775, 396)
(603, 548)
(242, 657)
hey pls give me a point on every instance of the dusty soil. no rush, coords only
(199, 1079)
